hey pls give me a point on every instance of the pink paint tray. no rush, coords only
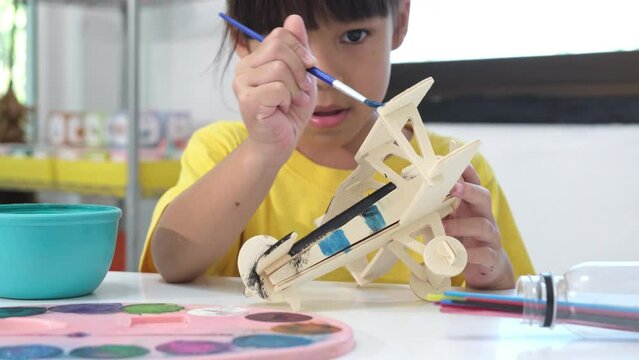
(117, 331)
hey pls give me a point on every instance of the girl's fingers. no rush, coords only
(470, 175)
(268, 98)
(301, 99)
(488, 269)
(476, 196)
(295, 25)
(479, 228)
(274, 71)
(283, 44)
(484, 256)
(273, 74)
(276, 50)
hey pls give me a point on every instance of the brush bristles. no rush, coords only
(373, 103)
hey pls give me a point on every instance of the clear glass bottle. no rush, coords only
(593, 299)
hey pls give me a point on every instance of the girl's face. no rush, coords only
(358, 54)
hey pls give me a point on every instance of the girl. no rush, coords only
(276, 171)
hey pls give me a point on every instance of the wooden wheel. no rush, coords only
(432, 284)
(445, 255)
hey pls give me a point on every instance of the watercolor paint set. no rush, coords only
(153, 330)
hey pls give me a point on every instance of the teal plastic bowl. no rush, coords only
(54, 251)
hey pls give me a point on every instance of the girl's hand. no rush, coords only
(276, 95)
(474, 225)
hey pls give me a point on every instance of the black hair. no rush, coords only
(266, 15)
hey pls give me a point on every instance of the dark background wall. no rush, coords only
(590, 88)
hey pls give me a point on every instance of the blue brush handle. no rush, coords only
(249, 32)
(321, 75)
(246, 30)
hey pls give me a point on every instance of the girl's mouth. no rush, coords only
(328, 118)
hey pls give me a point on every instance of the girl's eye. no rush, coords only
(355, 36)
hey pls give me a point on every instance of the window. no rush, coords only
(515, 61)
(446, 30)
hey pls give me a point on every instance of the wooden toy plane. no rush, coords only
(395, 215)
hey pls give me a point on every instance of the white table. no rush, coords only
(388, 321)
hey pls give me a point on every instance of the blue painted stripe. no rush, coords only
(374, 218)
(334, 243)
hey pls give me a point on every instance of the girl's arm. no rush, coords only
(199, 225)
(276, 98)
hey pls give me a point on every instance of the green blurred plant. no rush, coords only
(13, 12)
(13, 114)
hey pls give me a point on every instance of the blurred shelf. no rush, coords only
(105, 178)
(26, 173)
(85, 176)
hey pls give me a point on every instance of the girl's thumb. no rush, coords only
(295, 25)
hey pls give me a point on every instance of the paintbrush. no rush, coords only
(340, 86)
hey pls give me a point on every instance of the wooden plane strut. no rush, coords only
(379, 211)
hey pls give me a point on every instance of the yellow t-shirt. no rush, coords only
(301, 193)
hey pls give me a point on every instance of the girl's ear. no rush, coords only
(401, 23)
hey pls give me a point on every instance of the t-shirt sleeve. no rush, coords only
(207, 147)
